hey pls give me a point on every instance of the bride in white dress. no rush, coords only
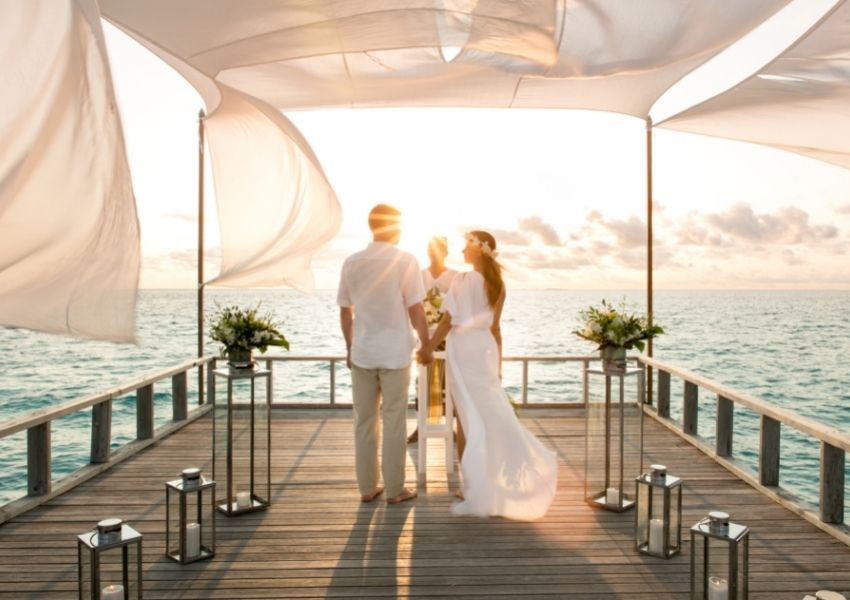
(506, 471)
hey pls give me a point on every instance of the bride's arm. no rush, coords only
(425, 354)
(495, 328)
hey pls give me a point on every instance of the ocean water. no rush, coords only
(788, 348)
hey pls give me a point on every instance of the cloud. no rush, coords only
(788, 225)
(844, 209)
(544, 231)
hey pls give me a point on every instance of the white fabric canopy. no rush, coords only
(799, 102)
(69, 237)
(252, 59)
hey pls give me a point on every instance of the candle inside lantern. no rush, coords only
(656, 536)
(718, 588)
(612, 496)
(112, 592)
(193, 540)
(243, 500)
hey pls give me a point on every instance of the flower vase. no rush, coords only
(613, 359)
(239, 358)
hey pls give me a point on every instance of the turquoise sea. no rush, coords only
(789, 348)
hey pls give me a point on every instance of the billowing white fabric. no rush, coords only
(69, 236)
(275, 206)
(247, 57)
(799, 102)
(300, 54)
(506, 471)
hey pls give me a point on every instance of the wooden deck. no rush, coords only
(318, 541)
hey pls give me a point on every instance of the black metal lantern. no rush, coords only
(191, 536)
(242, 441)
(109, 562)
(658, 513)
(614, 436)
(719, 559)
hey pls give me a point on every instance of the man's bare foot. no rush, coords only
(406, 494)
(413, 437)
(459, 495)
(374, 494)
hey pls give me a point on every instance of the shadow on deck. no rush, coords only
(318, 541)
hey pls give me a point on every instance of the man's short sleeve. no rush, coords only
(343, 296)
(411, 283)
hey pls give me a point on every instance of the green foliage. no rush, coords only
(238, 328)
(607, 326)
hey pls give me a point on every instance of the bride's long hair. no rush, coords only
(491, 269)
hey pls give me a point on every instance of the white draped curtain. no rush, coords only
(69, 237)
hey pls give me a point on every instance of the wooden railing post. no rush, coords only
(831, 484)
(690, 410)
(769, 453)
(38, 460)
(725, 426)
(211, 382)
(270, 382)
(179, 397)
(333, 382)
(144, 412)
(524, 382)
(663, 405)
(101, 432)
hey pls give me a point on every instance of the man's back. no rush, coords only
(381, 282)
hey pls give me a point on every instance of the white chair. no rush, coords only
(443, 429)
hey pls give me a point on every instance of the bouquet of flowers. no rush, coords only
(608, 327)
(244, 329)
(433, 302)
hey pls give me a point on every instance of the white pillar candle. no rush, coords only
(827, 595)
(243, 500)
(193, 540)
(612, 496)
(656, 536)
(112, 592)
(718, 588)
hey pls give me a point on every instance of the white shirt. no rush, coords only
(381, 283)
(443, 282)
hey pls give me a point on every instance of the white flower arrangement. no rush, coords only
(433, 307)
(608, 327)
(244, 329)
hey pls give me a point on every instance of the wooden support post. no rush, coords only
(771, 433)
(725, 426)
(101, 432)
(211, 382)
(333, 382)
(831, 484)
(179, 397)
(524, 382)
(690, 410)
(144, 412)
(38, 460)
(663, 406)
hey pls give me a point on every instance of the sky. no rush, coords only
(564, 192)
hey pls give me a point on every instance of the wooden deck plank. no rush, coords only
(318, 541)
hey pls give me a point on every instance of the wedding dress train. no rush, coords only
(506, 470)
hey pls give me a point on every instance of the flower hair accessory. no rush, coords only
(481, 245)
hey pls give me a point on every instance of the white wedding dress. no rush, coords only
(506, 471)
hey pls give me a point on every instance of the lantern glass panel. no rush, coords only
(113, 559)
(614, 431)
(190, 507)
(242, 436)
(720, 563)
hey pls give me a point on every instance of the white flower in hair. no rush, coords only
(484, 246)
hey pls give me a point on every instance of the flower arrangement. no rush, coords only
(244, 329)
(433, 303)
(610, 327)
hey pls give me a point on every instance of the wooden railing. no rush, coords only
(332, 361)
(833, 443)
(37, 424)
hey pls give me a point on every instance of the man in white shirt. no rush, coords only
(380, 296)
